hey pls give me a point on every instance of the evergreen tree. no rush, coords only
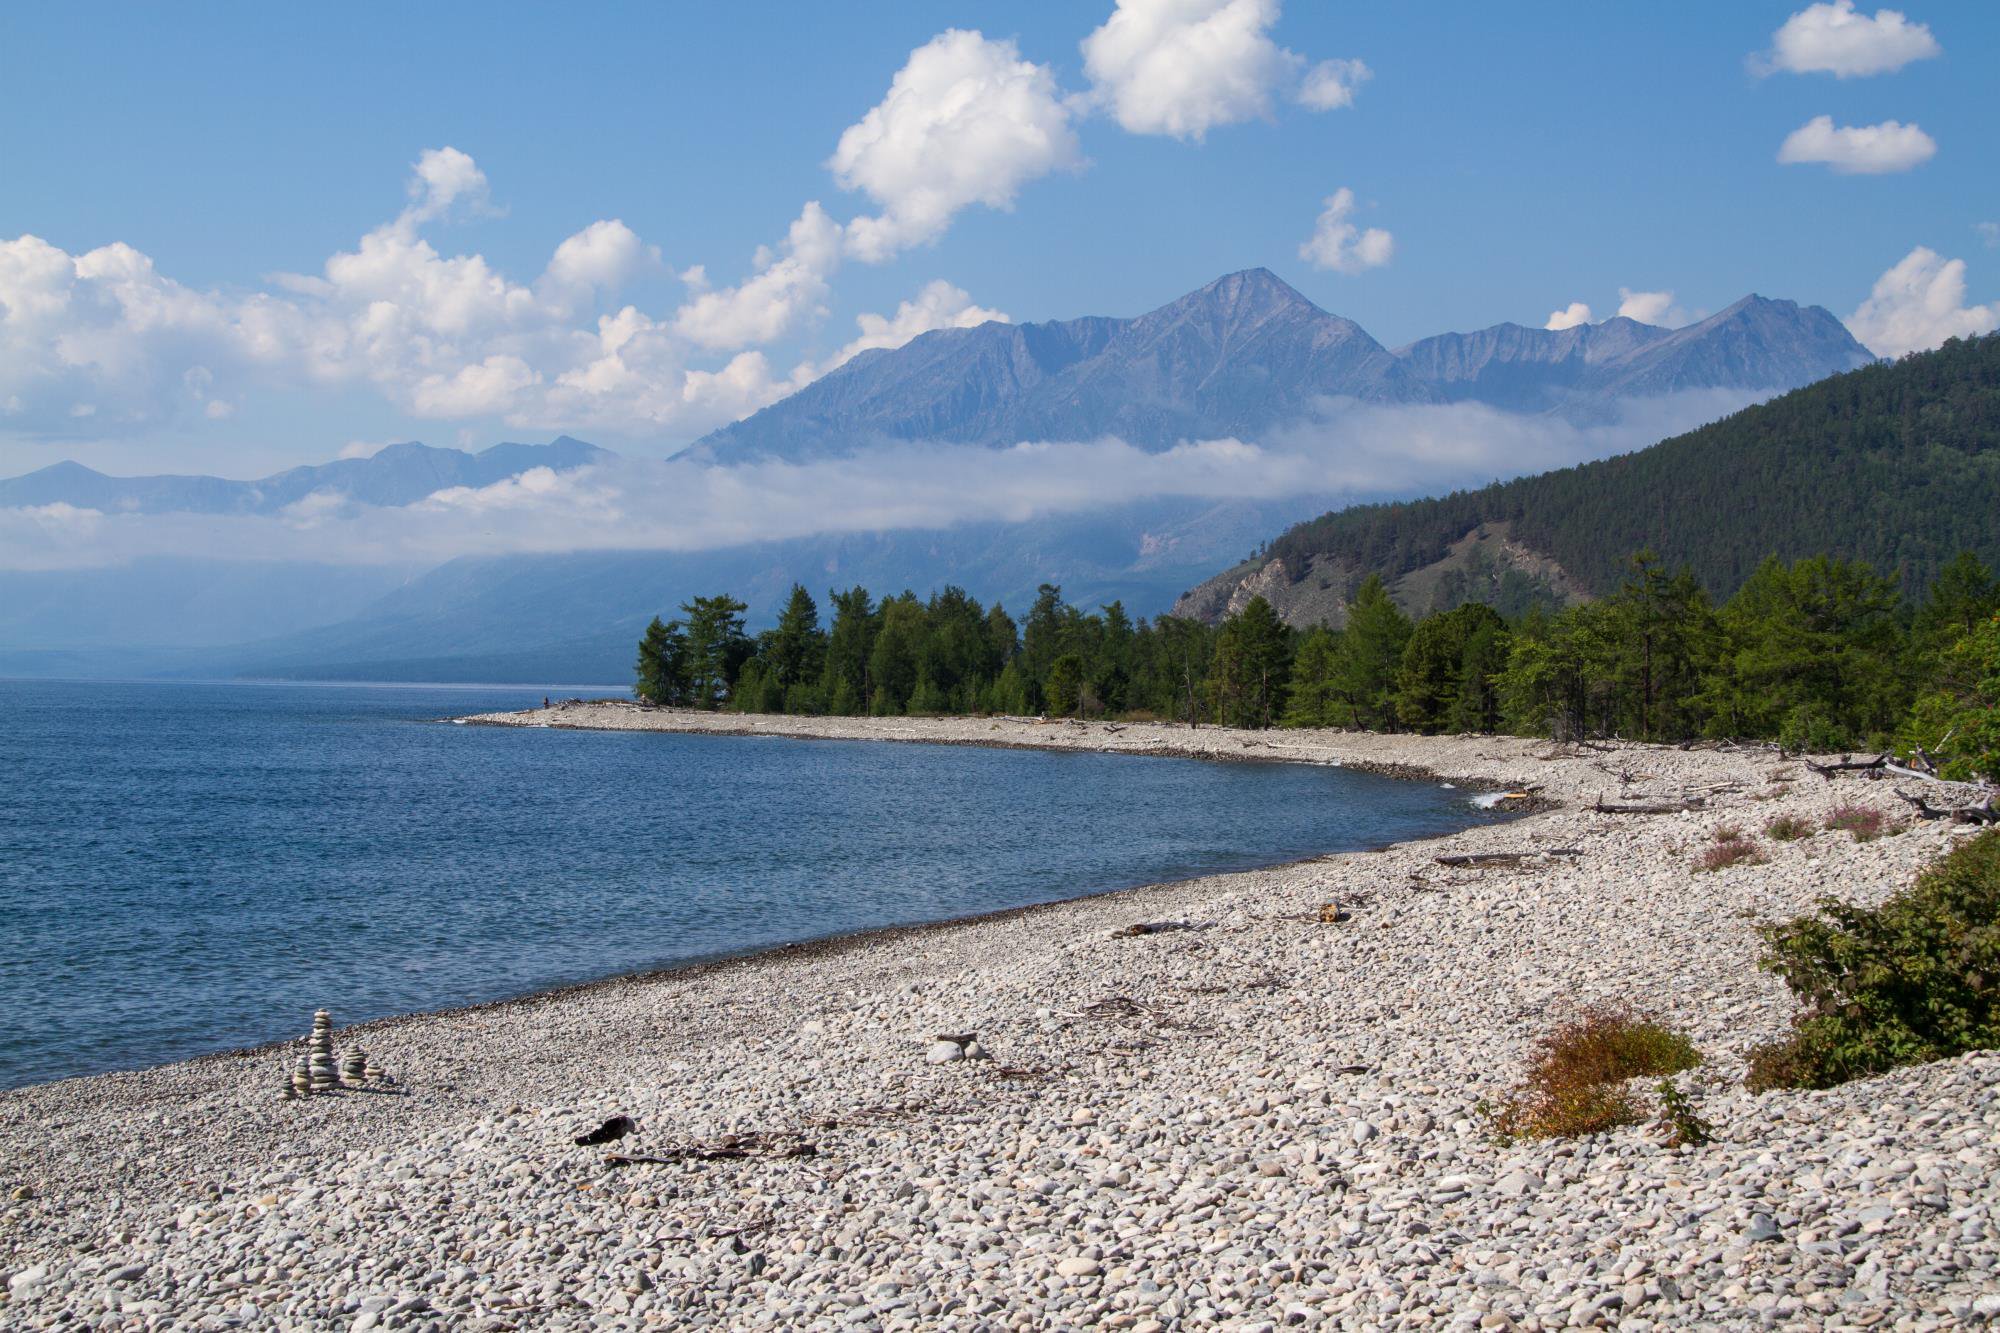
(1315, 699)
(716, 647)
(663, 664)
(1252, 663)
(1371, 655)
(1810, 656)
(892, 663)
(1433, 669)
(1185, 652)
(849, 644)
(1064, 687)
(795, 651)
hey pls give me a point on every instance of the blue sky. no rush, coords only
(1521, 158)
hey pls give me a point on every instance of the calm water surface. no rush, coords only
(186, 868)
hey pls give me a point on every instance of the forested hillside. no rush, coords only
(1895, 464)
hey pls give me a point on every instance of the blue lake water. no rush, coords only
(191, 867)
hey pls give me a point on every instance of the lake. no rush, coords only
(190, 867)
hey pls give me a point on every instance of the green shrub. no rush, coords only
(1915, 979)
(1575, 1082)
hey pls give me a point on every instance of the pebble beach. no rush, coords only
(1259, 1110)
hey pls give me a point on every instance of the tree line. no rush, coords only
(1820, 654)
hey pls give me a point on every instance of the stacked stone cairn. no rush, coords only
(319, 1052)
(318, 1071)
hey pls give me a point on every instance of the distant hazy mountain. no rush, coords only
(1246, 354)
(399, 474)
(1754, 344)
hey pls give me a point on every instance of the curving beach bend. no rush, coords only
(1262, 1112)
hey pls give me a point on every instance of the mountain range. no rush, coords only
(1896, 464)
(1243, 356)
(397, 474)
(1248, 354)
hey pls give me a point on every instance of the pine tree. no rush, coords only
(1315, 699)
(663, 666)
(716, 647)
(1252, 664)
(1371, 653)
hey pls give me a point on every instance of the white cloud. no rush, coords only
(788, 288)
(1183, 67)
(1867, 150)
(1918, 304)
(1332, 84)
(1989, 232)
(1577, 313)
(1650, 308)
(601, 258)
(102, 343)
(1338, 244)
(443, 178)
(966, 121)
(1834, 39)
(938, 306)
(1344, 449)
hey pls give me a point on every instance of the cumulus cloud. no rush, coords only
(1648, 308)
(966, 121)
(790, 286)
(938, 306)
(103, 342)
(1834, 39)
(602, 258)
(1577, 313)
(1338, 244)
(1918, 304)
(1989, 232)
(444, 178)
(1332, 84)
(1345, 449)
(1183, 67)
(1866, 150)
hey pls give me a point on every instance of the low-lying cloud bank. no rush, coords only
(1348, 451)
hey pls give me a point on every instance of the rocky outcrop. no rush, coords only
(1488, 564)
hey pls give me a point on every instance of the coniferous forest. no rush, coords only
(1897, 464)
(1819, 654)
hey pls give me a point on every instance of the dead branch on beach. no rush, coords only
(1490, 860)
(1125, 1009)
(1650, 807)
(1978, 812)
(728, 1147)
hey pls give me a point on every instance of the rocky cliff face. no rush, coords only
(1488, 564)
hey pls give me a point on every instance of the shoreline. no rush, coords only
(840, 942)
(1259, 1115)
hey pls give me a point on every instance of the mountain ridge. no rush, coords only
(1247, 353)
(396, 474)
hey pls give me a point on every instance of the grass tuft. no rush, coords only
(1864, 822)
(1789, 828)
(1576, 1079)
(1732, 847)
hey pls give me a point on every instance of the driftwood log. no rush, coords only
(1980, 812)
(727, 1148)
(1649, 807)
(1484, 860)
